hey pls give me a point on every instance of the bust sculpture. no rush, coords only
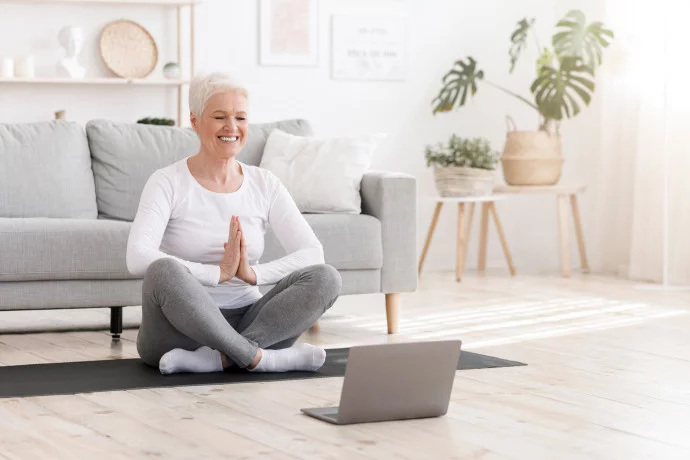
(72, 40)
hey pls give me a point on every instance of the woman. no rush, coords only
(197, 238)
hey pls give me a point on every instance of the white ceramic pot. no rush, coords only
(172, 71)
(7, 70)
(24, 67)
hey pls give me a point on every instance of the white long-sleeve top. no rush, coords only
(179, 218)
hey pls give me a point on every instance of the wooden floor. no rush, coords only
(608, 378)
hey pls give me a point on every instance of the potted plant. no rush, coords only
(156, 121)
(463, 167)
(172, 70)
(564, 81)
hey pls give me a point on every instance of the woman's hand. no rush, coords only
(231, 259)
(244, 271)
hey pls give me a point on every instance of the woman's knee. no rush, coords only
(161, 270)
(327, 279)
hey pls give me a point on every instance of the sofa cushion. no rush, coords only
(62, 249)
(72, 249)
(350, 241)
(45, 171)
(322, 174)
(258, 135)
(126, 154)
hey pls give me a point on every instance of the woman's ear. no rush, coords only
(194, 121)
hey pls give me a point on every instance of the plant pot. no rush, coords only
(532, 170)
(172, 71)
(531, 157)
(460, 181)
(532, 143)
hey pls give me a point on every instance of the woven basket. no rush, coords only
(531, 143)
(545, 170)
(459, 181)
(128, 49)
(531, 157)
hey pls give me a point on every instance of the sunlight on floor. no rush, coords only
(504, 321)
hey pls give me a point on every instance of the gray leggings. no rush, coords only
(178, 312)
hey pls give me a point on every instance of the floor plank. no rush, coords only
(606, 378)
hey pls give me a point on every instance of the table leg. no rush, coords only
(460, 261)
(563, 231)
(468, 231)
(432, 227)
(511, 267)
(578, 232)
(483, 237)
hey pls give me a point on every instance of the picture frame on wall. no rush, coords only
(288, 32)
(369, 48)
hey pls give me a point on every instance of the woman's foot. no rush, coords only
(203, 359)
(301, 357)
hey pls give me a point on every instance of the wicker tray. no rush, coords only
(128, 50)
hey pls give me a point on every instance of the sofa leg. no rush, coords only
(392, 310)
(116, 322)
(315, 328)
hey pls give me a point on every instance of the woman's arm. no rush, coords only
(147, 230)
(294, 234)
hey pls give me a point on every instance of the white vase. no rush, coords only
(171, 71)
(7, 70)
(24, 67)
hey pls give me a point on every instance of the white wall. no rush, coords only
(440, 31)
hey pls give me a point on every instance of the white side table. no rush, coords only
(488, 206)
(564, 193)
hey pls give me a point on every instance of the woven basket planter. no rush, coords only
(531, 157)
(532, 143)
(533, 170)
(459, 181)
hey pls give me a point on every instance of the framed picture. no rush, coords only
(288, 32)
(369, 48)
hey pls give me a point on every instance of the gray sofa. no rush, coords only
(69, 193)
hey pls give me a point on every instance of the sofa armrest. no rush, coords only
(392, 198)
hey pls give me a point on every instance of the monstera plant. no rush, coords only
(565, 71)
(563, 85)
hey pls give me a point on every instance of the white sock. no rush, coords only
(301, 357)
(203, 359)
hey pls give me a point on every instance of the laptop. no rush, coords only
(395, 382)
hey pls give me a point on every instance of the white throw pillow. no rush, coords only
(322, 175)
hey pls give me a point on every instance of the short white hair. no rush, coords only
(203, 86)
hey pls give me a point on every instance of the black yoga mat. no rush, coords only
(130, 374)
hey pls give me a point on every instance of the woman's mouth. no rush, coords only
(228, 139)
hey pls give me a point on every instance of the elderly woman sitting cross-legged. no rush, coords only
(197, 238)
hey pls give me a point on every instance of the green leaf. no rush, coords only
(559, 92)
(459, 81)
(574, 38)
(519, 41)
(545, 59)
(464, 152)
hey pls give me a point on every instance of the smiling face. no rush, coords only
(222, 126)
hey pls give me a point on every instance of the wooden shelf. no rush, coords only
(94, 81)
(179, 5)
(111, 2)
